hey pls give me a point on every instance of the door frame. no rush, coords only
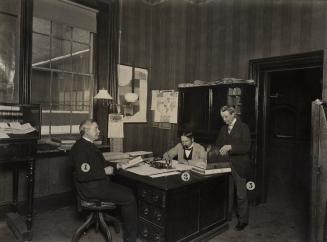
(259, 70)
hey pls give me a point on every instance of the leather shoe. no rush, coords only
(240, 226)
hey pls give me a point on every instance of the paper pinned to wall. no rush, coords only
(115, 126)
(165, 106)
(154, 99)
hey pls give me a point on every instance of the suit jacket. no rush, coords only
(199, 155)
(240, 140)
(88, 165)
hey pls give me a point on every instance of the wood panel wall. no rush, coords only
(181, 42)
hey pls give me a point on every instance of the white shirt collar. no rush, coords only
(233, 123)
(191, 146)
(87, 139)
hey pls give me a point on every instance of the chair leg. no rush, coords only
(97, 222)
(112, 220)
(104, 227)
(81, 229)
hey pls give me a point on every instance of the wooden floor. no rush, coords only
(279, 220)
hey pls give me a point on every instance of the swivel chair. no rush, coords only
(96, 215)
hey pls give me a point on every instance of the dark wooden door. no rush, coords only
(318, 174)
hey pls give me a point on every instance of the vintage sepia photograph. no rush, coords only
(163, 120)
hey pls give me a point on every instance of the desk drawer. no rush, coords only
(152, 214)
(149, 232)
(152, 196)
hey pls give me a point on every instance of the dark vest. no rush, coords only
(190, 156)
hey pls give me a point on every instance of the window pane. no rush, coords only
(41, 51)
(81, 35)
(41, 26)
(61, 55)
(81, 58)
(61, 31)
(82, 88)
(8, 54)
(61, 91)
(41, 88)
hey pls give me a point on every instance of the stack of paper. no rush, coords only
(16, 128)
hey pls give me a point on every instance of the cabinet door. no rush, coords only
(219, 99)
(248, 106)
(241, 96)
(194, 111)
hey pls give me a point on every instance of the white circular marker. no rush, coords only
(185, 176)
(250, 185)
(85, 167)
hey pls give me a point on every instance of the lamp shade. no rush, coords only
(103, 94)
(131, 97)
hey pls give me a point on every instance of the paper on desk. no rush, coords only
(17, 128)
(3, 125)
(165, 174)
(146, 170)
(4, 136)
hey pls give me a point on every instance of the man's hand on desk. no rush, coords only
(225, 149)
(166, 157)
(109, 170)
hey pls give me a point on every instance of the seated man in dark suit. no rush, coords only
(89, 167)
(188, 152)
(234, 140)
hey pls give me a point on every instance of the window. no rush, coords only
(8, 56)
(62, 76)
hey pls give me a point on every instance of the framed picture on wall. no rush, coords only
(132, 93)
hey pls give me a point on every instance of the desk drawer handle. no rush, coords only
(145, 211)
(158, 217)
(157, 238)
(143, 193)
(145, 233)
(155, 198)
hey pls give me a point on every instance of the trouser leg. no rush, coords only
(123, 197)
(241, 198)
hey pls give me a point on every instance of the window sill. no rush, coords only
(46, 150)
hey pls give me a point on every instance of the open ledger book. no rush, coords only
(132, 162)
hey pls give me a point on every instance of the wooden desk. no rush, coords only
(170, 209)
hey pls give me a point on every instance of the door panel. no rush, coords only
(318, 173)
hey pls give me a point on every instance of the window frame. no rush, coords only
(88, 74)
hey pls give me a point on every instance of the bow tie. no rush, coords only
(188, 148)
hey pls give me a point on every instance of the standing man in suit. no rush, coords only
(234, 140)
(188, 152)
(91, 174)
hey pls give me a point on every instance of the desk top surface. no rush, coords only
(168, 182)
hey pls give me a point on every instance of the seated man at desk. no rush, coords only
(89, 167)
(188, 152)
